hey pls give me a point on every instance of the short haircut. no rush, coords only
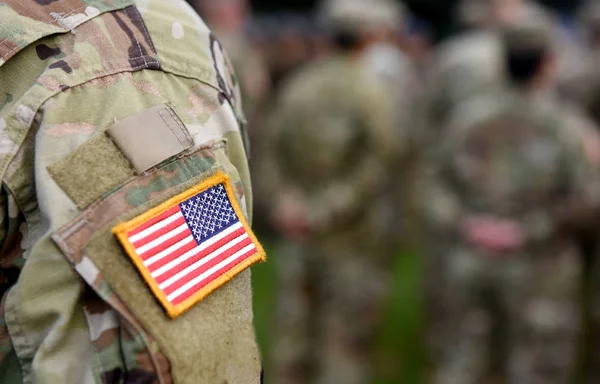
(524, 63)
(346, 40)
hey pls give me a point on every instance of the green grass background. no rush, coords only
(400, 347)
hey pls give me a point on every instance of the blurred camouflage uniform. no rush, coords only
(580, 84)
(463, 67)
(510, 156)
(386, 61)
(73, 308)
(328, 151)
(387, 64)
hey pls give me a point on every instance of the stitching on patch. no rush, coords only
(145, 32)
(76, 227)
(180, 124)
(171, 129)
(126, 11)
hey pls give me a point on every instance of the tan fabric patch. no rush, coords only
(151, 137)
(91, 170)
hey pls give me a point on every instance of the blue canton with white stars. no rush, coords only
(209, 213)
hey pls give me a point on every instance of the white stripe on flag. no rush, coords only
(209, 272)
(159, 240)
(158, 226)
(193, 252)
(168, 251)
(200, 263)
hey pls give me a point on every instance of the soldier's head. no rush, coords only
(227, 15)
(491, 13)
(355, 24)
(529, 52)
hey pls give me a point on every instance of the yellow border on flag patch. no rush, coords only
(122, 229)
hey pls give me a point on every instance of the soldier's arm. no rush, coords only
(439, 204)
(578, 204)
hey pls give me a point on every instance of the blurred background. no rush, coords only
(270, 42)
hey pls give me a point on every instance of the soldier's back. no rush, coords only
(510, 159)
(321, 115)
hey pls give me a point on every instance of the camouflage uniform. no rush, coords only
(73, 307)
(465, 66)
(524, 302)
(328, 147)
(509, 156)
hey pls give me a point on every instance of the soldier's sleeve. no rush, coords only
(578, 201)
(439, 204)
(352, 192)
(582, 187)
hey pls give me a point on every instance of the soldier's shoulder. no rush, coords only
(26, 22)
(90, 39)
(87, 45)
(308, 80)
(468, 48)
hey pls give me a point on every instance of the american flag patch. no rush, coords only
(192, 244)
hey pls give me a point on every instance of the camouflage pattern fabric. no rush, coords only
(582, 89)
(462, 67)
(509, 157)
(328, 149)
(81, 66)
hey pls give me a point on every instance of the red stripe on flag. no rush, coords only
(191, 276)
(166, 244)
(193, 260)
(212, 277)
(159, 233)
(172, 256)
(151, 222)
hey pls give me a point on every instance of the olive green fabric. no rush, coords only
(98, 157)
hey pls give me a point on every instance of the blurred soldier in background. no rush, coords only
(509, 185)
(229, 21)
(331, 137)
(464, 66)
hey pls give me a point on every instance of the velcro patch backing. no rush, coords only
(129, 147)
(92, 169)
(192, 244)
